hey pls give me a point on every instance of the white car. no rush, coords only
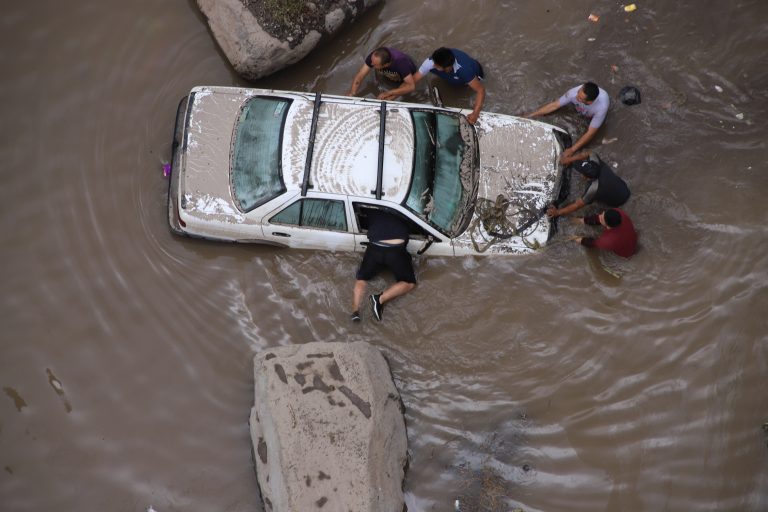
(301, 170)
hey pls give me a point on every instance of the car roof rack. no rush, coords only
(311, 146)
(382, 134)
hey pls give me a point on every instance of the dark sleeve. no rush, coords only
(592, 220)
(589, 195)
(588, 242)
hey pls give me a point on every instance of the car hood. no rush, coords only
(518, 173)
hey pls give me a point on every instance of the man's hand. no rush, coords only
(565, 158)
(358, 80)
(472, 117)
(552, 211)
(408, 86)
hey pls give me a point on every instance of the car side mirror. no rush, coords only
(426, 245)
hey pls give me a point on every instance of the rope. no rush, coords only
(500, 224)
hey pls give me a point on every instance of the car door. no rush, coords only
(420, 237)
(318, 221)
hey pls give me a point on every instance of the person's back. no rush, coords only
(464, 69)
(386, 226)
(608, 188)
(457, 68)
(391, 64)
(398, 65)
(619, 236)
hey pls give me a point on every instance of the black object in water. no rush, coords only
(629, 95)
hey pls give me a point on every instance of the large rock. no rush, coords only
(257, 46)
(328, 430)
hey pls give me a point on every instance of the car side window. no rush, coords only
(314, 213)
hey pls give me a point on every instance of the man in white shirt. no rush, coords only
(590, 101)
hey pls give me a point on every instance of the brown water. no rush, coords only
(126, 352)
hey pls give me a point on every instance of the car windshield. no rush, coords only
(256, 176)
(444, 180)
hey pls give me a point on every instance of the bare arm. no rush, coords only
(408, 86)
(583, 141)
(479, 88)
(554, 211)
(358, 80)
(545, 109)
(565, 160)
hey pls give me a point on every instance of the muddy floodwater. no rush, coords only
(558, 381)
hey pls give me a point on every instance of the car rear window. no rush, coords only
(256, 175)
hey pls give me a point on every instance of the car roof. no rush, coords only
(346, 147)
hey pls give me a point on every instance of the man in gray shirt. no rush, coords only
(590, 101)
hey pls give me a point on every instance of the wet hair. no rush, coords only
(591, 90)
(443, 57)
(612, 218)
(383, 54)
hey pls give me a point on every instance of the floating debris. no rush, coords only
(630, 95)
(630, 7)
(593, 18)
(59, 389)
(16, 397)
(739, 116)
(718, 88)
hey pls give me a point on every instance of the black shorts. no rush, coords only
(397, 259)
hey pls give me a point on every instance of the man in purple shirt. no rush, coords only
(393, 65)
(590, 101)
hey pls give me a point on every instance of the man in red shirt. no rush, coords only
(619, 235)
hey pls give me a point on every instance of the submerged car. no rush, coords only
(302, 170)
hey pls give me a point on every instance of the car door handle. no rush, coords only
(364, 244)
(277, 233)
